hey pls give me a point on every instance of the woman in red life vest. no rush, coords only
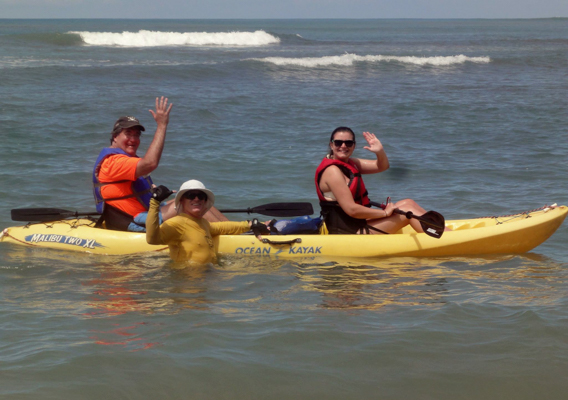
(342, 194)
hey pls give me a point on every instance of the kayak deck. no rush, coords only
(516, 233)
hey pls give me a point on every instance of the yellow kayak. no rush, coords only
(516, 233)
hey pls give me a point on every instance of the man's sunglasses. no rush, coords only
(192, 195)
(339, 143)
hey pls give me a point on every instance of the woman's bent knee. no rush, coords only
(408, 203)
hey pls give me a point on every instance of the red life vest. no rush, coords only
(349, 169)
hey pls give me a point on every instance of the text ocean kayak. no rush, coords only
(516, 233)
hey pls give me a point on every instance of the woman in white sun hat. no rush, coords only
(188, 235)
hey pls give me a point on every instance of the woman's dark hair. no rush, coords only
(340, 129)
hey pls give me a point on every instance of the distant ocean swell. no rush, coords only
(345, 60)
(55, 39)
(145, 38)
(350, 59)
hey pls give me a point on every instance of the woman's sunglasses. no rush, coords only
(192, 195)
(339, 143)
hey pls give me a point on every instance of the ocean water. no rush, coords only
(473, 116)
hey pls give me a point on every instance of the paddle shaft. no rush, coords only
(276, 209)
(46, 214)
(409, 215)
(54, 214)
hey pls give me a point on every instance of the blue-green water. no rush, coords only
(473, 116)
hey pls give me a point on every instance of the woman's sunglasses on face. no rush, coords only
(339, 143)
(192, 195)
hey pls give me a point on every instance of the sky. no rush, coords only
(253, 9)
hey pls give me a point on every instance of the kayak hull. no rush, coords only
(511, 234)
(503, 235)
(79, 235)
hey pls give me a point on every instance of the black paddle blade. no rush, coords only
(44, 214)
(38, 214)
(433, 223)
(284, 209)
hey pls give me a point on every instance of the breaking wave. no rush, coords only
(144, 38)
(350, 59)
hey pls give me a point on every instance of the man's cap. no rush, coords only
(125, 123)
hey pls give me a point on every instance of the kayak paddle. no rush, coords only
(46, 214)
(277, 209)
(432, 222)
(55, 214)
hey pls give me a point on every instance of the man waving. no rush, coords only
(121, 182)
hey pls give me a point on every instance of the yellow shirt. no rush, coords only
(189, 238)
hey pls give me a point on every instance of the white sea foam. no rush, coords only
(154, 38)
(350, 59)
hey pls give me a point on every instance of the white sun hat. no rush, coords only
(194, 185)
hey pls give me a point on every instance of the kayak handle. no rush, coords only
(292, 241)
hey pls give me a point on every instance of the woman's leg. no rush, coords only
(391, 224)
(214, 215)
(396, 222)
(410, 205)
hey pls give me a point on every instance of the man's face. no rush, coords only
(128, 140)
